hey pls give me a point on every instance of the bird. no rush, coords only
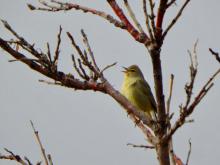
(136, 89)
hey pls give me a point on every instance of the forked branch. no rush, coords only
(16, 158)
(25, 161)
(187, 109)
(86, 65)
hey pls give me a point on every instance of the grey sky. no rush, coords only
(83, 127)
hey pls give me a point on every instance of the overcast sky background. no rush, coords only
(83, 127)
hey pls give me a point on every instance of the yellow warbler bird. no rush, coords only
(136, 89)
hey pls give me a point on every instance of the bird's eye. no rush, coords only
(132, 70)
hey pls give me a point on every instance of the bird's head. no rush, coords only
(133, 71)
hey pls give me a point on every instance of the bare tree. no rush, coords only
(92, 76)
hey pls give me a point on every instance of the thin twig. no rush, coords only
(193, 73)
(57, 51)
(76, 68)
(149, 29)
(86, 77)
(133, 17)
(140, 146)
(83, 56)
(50, 83)
(216, 54)
(189, 152)
(50, 159)
(86, 42)
(170, 94)
(49, 52)
(14, 157)
(107, 67)
(25, 58)
(186, 112)
(68, 6)
(152, 16)
(174, 19)
(40, 144)
(170, 3)
(22, 42)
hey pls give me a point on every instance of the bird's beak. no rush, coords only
(125, 69)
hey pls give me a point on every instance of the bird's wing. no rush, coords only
(148, 92)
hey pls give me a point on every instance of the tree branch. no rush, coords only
(189, 152)
(160, 17)
(142, 38)
(147, 21)
(216, 54)
(140, 146)
(40, 144)
(16, 158)
(152, 16)
(61, 6)
(186, 112)
(170, 3)
(87, 83)
(133, 17)
(170, 94)
(175, 19)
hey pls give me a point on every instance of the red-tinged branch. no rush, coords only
(140, 37)
(160, 16)
(133, 17)
(177, 160)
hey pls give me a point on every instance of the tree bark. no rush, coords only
(163, 146)
(163, 153)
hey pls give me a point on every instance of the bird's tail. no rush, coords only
(154, 118)
(153, 115)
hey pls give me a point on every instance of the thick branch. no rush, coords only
(140, 37)
(88, 83)
(162, 148)
(133, 114)
(66, 80)
(160, 16)
(157, 70)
